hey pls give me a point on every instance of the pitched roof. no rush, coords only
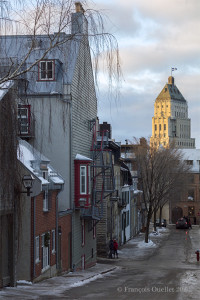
(170, 92)
(27, 154)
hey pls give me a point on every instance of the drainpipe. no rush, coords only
(68, 99)
(33, 237)
(71, 185)
(57, 232)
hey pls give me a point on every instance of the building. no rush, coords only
(137, 215)
(57, 112)
(170, 122)
(9, 182)
(41, 239)
(187, 202)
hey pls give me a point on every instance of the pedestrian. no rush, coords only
(111, 247)
(115, 246)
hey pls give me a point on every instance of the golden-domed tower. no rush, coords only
(170, 122)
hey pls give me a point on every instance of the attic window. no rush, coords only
(165, 89)
(46, 70)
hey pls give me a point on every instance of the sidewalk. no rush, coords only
(57, 285)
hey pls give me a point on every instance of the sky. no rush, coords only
(153, 36)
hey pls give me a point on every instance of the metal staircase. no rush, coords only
(102, 175)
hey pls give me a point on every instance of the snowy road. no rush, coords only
(164, 269)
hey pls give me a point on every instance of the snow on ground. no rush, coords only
(56, 285)
(146, 245)
(189, 286)
(135, 248)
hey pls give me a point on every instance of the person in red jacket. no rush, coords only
(115, 247)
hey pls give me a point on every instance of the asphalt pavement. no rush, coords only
(105, 266)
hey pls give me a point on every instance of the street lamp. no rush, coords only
(27, 181)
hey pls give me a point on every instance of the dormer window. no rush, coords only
(46, 70)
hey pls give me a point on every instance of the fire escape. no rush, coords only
(102, 175)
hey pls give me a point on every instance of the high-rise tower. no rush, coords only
(170, 122)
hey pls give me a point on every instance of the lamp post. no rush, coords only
(27, 181)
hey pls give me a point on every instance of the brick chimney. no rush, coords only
(79, 21)
(79, 7)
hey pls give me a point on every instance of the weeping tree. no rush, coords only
(160, 173)
(51, 18)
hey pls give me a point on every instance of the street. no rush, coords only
(167, 270)
(157, 275)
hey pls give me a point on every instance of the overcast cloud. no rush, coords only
(153, 36)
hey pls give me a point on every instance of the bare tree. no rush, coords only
(160, 171)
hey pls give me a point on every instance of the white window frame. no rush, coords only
(45, 255)
(45, 200)
(89, 180)
(83, 180)
(37, 249)
(53, 241)
(45, 70)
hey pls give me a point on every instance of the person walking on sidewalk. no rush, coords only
(115, 247)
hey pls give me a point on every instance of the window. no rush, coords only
(83, 232)
(164, 126)
(45, 251)
(53, 241)
(37, 249)
(159, 126)
(155, 127)
(24, 119)
(47, 70)
(191, 195)
(45, 201)
(189, 162)
(191, 211)
(83, 180)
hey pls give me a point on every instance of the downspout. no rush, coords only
(71, 185)
(57, 232)
(33, 237)
(68, 99)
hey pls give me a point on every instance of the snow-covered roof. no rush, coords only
(29, 155)
(4, 88)
(193, 155)
(81, 157)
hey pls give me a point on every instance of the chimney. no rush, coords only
(79, 7)
(106, 128)
(79, 21)
(171, 80)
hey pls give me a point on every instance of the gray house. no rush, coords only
(57, 113)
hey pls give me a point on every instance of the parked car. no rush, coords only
(163, 222)
(182, 223)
